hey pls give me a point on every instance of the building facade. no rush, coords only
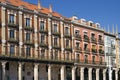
(39, 44)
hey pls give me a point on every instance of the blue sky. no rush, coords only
(105, 12)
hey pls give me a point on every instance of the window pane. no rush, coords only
(66, 30)
(11, 33)
(67, 43)
(11, 18)
(28, 22)
(42, 25)
(28, 51)
(55, 27)
(12, 49)
(42, 38)
(77, 32)
(55, 41)
(27, 36)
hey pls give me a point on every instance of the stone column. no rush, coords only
(73, 73)
(104, 74)
(3, 70)
(97, 74)
(49, 37)
(20, 32)
(35, 36)
(49, 72)
(3, 32)
(82, 73)
(62, 71)
(90, 73)
(20, 71)
(116, 74)
(36, 71)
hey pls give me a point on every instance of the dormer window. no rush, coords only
(66, 30)
(11, 18)
(28, 22)
(55, 28)
(42, 25)
(91, 24)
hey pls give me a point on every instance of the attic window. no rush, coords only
(91, 24)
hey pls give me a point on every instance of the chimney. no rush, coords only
(39, 6)
(50, 8)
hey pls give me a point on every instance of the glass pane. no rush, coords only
(42, 25)
(11, 33)
(28, 22)
(11, 18)
(55, 27)
(66, 30)
(12, 49)
(27, 36)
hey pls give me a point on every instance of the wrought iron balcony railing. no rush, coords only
(68, 36)
(87, 51)
(28, 42)
(94, 51)
(68, 48)
(56, 33)
(93, 40)
(13, 40)
(78, 49)
(78, 37)
(29, 28)
(13, 25)
(44, 45)
(101, 52)
(43, 31)
(86, 38)
(100, 41)
(56, 47)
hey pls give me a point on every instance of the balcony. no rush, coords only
(93, 40)
(94, 51)
(100, 41)
(67, 36)
(43, 31)
(87, 51)
(56, 47)
(78, 37)
(89, 62)
(39, 58)
(86, 38)
(12, 25)
(28, 42)
(101, 52)
(29, 28)
(13, 40)
(43, 45)
(78, 49)
(56, 34)
(68, 48)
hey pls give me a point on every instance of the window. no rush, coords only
(77, 32)
(42, 53)
(7, 66)
(77, 57)
(27, 36)
(11, 33)
(42, 25)
(56, 54)
(12, 49)
(28, 51)
(92, 35)
(67, 56)
(93, 59)
(28, 22)
(42, 38)
(11, 18)
(91, 24)
(100, 37)
(55, 28)
(77, 44)
(85, 46)
(86, 58)
(66, 30)
(55, 42)
(67, 43)
(101, 60)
